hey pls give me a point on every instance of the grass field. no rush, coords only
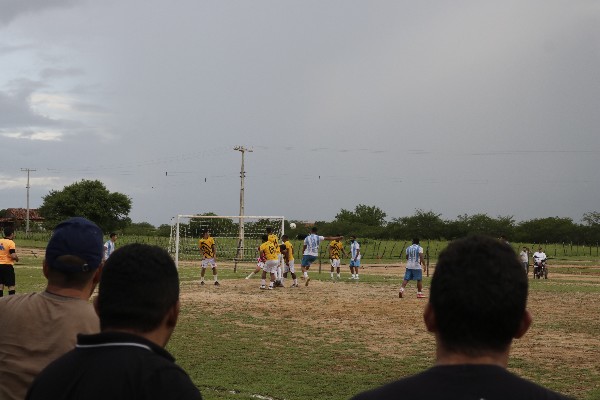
(333, 340)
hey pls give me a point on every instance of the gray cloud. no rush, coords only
(12, 9)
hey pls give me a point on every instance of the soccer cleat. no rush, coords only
(307, 280)
(294, 285)
(270, 287)
(400, 294)
(263, 287)
(357, 278)
(202, 282)
(420, 296)
(217, 283)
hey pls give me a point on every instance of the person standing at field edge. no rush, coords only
(36, 328)
(8, 257)
(474, 326)
(524, 257)
(414, 271)
(209, 255)
(127, 359)
(109, 245)
(354, 257)
(310, 251)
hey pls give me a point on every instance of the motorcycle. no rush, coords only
(540, 270)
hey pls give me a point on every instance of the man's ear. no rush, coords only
(524, 325)
(45, 268)
(429, 318)
(173, 315)
(95, 302)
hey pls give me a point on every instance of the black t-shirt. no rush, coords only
(462, 382)
(114, 366)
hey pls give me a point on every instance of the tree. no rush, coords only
(423, 224)
(89, 199)
(366, 215)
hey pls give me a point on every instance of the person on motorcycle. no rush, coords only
(539, 257)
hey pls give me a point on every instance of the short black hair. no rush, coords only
(269, 229)
(8, 231)
(313, 229)
(265, 238)
(139, 285)
(478, 295)
(284, 237)
(416, 240)
(112, 234)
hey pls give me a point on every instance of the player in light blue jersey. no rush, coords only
(414, 271)
(310, 250)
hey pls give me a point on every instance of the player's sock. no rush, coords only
(282, 281)
(11, 292)
(263, 282)
(338, 275)
(215, 278)
(251, 275)
(201, 279)
(305, 274)
(331, 275)
(295, 281)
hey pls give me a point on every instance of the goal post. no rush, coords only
(237, 237)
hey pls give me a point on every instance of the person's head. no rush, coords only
(478, 297)
(8, 232)
(74, 253)
(113, 236)
(265, 238)
(415, 241)
(269, 230)
(139, 288)
(352, 238)
(540, 249)
(284, 238)
(205, 233)
(313, 230)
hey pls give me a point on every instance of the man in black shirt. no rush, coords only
(138, 306)
(476, 307)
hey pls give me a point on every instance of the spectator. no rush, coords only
(37, 328)
(476, 307)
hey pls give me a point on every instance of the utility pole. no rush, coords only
(240, 250)
(28, 170)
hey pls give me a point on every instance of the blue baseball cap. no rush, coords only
(76, 237)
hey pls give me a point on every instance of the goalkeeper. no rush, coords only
(209, 256)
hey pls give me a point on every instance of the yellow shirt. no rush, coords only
(275, 240)
(6, 245)
(335, 248)
(269, 249)
(290, 250)
(207, 247)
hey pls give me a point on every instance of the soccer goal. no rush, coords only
(237, 238)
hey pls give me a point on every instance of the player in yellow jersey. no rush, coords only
(275, 240)
(8, 257)
(268, 252)
(209, 255)
(335, 249)
(287, 250)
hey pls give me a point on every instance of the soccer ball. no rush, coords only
(293, 225)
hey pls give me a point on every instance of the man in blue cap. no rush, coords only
(37, 328)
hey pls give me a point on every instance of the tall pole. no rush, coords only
(240, 250)
(28, 170)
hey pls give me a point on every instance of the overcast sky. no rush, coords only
(458, 107)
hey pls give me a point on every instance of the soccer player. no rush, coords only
(287, 250)
(414, 272)
(109, 245)
(268, 252)
(335, 248)
(354, 257)
(275, 240)
(474, 326)
(8, 256)
(209, 256)
(310, 251)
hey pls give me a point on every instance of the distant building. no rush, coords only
(17, 217)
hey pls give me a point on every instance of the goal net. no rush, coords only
(237, 238)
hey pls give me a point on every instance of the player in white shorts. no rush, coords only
(287, 250)
(209, 254)
(267, 250)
